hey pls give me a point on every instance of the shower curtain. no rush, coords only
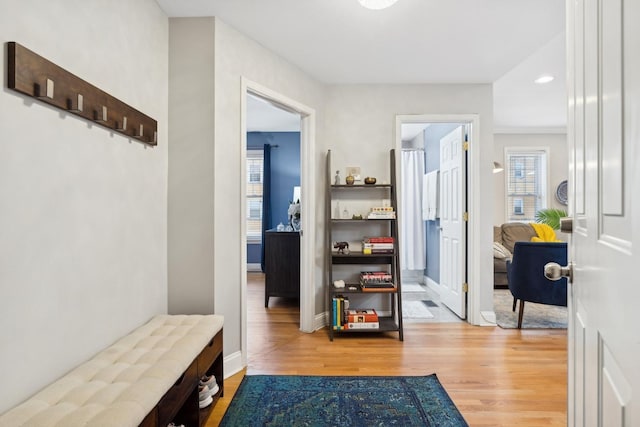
(412, 234)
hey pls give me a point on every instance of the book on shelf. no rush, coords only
(374, 285)
(376, 214)
(375, 275)
(378, 239)
(378, 245)
(361, 315)
(384, 212)
(363, 325)
(369, 251)
(376, 281)
(390, 289)
(339, 305)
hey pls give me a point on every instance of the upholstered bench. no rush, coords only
(149, 377)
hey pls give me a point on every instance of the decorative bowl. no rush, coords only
(370, 180)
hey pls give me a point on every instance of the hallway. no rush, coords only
(496, 377)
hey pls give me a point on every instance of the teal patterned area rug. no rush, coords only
(284, 400)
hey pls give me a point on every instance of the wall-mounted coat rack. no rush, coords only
(33, 75)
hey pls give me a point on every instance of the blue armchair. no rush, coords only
(525, 273)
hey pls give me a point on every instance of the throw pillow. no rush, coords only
(500, 252)
(544, 233)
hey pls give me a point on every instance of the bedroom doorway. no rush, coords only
(306, 118)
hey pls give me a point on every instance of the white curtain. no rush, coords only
(412, 238)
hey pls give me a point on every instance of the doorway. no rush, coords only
(307, 202)
(468, 273)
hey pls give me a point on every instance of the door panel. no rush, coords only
(452, 235)
(604, 103)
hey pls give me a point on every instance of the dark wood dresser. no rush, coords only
(282, 264)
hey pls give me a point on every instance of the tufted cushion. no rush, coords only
(123, 383)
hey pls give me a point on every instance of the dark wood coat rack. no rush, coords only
(35, 76)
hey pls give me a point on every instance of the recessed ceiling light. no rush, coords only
(544, 79)
(377, 4)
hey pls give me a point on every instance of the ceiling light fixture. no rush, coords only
(377, 4)
(497, 167)
(544, 79)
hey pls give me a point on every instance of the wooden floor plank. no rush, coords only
(495, 376)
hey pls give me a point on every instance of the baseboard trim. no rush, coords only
(233, 364)
(431, 284)
(411, 276)
(254, 267)
(320, 321)
(488, 318)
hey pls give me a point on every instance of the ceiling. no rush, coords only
(505, 42)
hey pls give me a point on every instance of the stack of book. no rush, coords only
(377, 245)
(340, 304)
(376, 281)
(385, 212)
(361, 319)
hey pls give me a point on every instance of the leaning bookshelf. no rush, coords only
(362, 259)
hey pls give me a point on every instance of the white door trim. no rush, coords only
(474, 315)
(307, 177)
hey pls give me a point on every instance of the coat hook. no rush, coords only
(77, 108)
(100, 117)
(49, 90)
(123, 125)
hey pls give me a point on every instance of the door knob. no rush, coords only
(566, 225)
(554, 271)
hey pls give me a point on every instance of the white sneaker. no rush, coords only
(206, 402)
(207, 380)
(204, 391)
(214, 389)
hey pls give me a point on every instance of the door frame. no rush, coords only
(474, 226)
(308, 203)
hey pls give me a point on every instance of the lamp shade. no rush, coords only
(497, 167)
(377, 4)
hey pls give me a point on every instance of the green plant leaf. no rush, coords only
(551, 217)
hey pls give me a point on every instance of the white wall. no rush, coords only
(235, 56)
(191, 172)
(558, 165)
(82, 210)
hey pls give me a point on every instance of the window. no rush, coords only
(255, 161)
(518, 207)
(526, 183)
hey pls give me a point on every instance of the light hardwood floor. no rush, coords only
(496, 377)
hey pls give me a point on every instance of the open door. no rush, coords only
(452, 222)
(603, 63)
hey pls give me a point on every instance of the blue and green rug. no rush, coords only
(283, 400)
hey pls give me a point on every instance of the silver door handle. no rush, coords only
(566, 225)
(553, 271)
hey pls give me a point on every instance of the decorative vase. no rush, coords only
(295, 223)
(350, 180)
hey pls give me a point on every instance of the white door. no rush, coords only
(603, 65)
(452, 224)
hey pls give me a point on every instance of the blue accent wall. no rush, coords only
(432, 136)
(285, 174)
